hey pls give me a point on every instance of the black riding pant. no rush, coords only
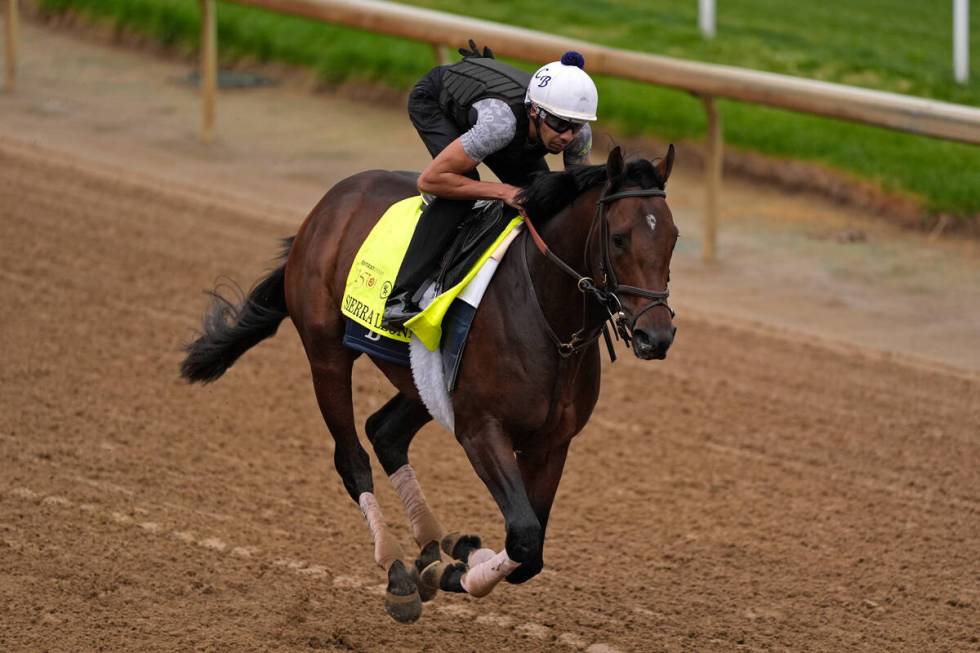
(439, 221)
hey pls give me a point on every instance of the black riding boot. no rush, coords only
(436, 229)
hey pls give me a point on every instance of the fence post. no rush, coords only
(713, 166)
(443, 55)
(706, 18)
(10, 24)
(961, 40)
(209, 68)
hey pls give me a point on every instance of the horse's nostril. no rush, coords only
(673, 331)
(641, 338)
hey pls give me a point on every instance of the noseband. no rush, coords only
(606, 295)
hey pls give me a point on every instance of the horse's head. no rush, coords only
(632, 245)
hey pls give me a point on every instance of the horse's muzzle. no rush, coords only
(653, 345)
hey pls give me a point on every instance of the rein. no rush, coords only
(622, 320)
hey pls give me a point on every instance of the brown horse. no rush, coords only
(530, 376)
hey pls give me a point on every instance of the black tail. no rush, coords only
(229, 330)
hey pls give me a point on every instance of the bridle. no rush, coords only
(607, 294)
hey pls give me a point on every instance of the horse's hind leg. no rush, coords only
(332, 383)
(391, 431)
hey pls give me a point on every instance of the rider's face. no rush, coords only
(556, 133)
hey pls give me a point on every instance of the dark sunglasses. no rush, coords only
(560, 125)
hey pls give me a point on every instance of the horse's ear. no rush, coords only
(665, 164)
(614, 164)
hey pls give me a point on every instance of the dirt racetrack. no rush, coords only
(757, 491)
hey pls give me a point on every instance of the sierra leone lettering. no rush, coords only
(361, 311)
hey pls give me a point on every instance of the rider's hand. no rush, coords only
(510, 196)
(474, 51)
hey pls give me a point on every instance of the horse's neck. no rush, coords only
(565, 234)
(573, 384)
(568, 230)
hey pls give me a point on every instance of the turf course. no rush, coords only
(901, 46)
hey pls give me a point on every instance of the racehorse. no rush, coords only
(529, 379)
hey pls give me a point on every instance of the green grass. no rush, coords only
(894, 45)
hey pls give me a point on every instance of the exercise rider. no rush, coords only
(482, 110)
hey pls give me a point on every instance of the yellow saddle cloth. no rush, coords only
(372, 276)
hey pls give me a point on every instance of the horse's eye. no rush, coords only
(620, 241)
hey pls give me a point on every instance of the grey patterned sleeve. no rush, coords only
(577, 152)
(494, 129)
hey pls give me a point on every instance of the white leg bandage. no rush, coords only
(386, 547)
(425, 526)
(478, 556)
(482, 578)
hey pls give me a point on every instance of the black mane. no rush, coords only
(550, 192)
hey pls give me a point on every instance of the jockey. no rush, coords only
(482, 110)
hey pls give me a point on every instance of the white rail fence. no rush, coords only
(707, 81)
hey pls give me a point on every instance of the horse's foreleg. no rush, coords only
(541, 471)
(332, 383)
(492, 456)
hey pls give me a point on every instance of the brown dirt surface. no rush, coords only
(800, 474)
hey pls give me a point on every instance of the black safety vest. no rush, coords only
(478, 78)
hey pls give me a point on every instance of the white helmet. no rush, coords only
(564, 89)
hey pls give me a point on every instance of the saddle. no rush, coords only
(481, 226)
(450, 295)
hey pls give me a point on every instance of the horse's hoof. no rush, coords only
(403, 609)
(402, 599)
(459, 546)
(429, 554)
(445, 576)
(525, 572)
